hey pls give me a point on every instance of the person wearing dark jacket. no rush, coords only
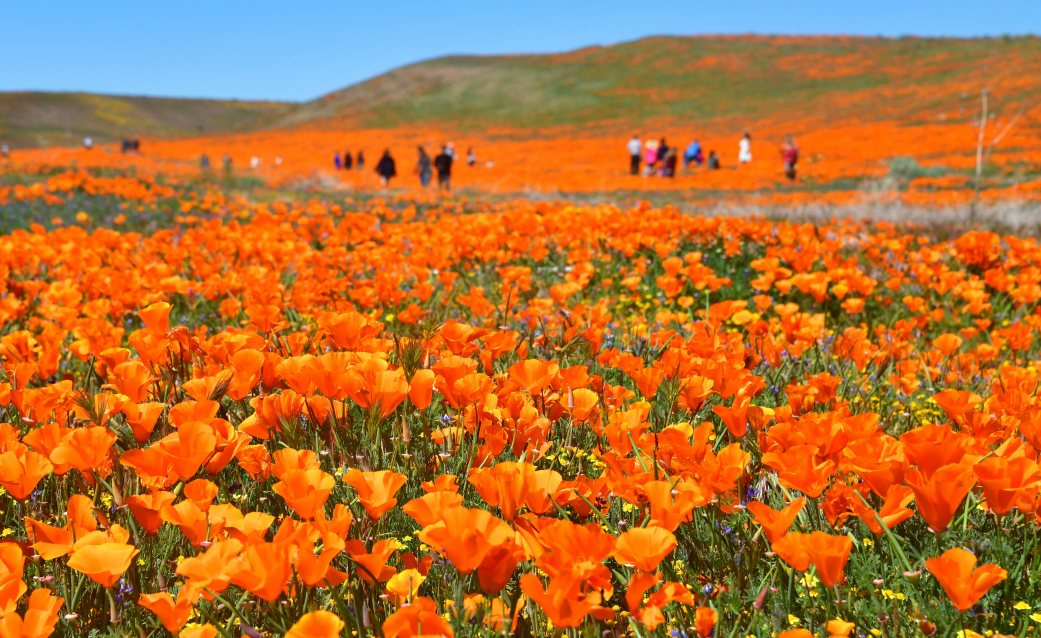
(360, 161)
(386, 168)
(348, 161)
(443, 165)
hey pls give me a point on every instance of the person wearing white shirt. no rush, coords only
(744, 149)
(634, 147)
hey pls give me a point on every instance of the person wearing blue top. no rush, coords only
(693, 154)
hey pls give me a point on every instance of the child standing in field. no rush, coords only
(634, 154)
(348, 161)
(471, 157)
(337, 162)
(361, 160)
(386, 168)
(744, 149)
(423, 167)
(790, 155)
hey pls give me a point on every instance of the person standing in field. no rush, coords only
(663, 150)
(790, 155)
(713, 161)
(744, 149)
(668, 167)
(634, 147)
(693, 155)
(337, 162)
(361, 160)
(443, 164)
(650, 157)
(386, 168)
(423, 167)
(348, 161)
(471, 157)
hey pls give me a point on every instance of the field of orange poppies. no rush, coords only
(233, 412)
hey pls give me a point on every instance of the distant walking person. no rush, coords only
(423, 169)
(744, 149)
(337, 162)
(634, 147)
(471, 157)
(204, 162)
(361, 160)
(443, 165)
(348, 161)
(790, 155)
(713, 161)
(386, 168)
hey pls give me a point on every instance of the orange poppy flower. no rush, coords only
(826, 552)
(939, 497)
(21, 470)
(801, 468)
(417, 619)
(317, 624)
(420, 390)
(644, 547)
(963, 582)
(305, 491)
(562, 601)
(40, 619)
(173, 614)
(372, 564)
(86, 450)
(705, 621)
(1005, 480)
(12, 564)
(147, 509)
(263, 570)
(375, 490)
(211, 570)
(103, 563)
(510, 485)
(404, 586)
(838, 628)
(51, 542)
(776, 523)
(466, 536)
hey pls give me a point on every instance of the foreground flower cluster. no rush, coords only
(445, 417)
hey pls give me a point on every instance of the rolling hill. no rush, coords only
(732, 81)
(43, 119)
(745, 78)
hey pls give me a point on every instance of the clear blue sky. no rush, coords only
(299, 50)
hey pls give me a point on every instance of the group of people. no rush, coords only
(130, 145)
(348, 162)
(426, 166)
(658, 158)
